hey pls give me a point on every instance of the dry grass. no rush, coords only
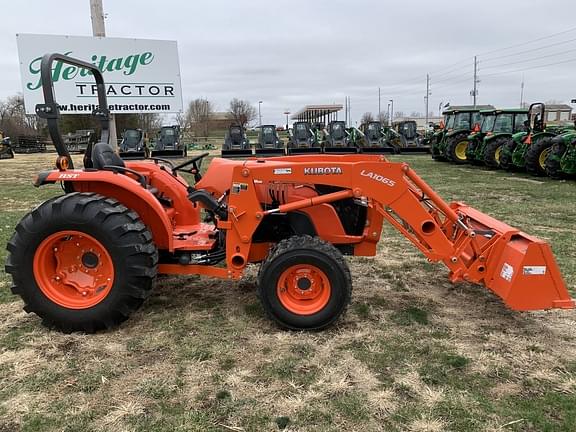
(413, 353)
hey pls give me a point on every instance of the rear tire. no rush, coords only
(493, 152)
(304, 284)
(553, 168)
(456, 149)
(537, 155)
(506, 155)
(100, 287)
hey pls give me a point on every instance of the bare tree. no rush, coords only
(416, 114)
(398, 114)
(242, 112)
(148, 121)
(14, 120)
(383, 117)
(197, 116)
(367, 117)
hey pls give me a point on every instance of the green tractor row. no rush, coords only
(535, 140)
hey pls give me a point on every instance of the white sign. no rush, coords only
(141, 76)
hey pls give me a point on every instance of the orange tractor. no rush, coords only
(86, 260)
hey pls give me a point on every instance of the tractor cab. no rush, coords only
(132, 145)
(168, 143)
(338, 139)
(268, 142)
(302, 139)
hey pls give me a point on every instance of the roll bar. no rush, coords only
(50, 110)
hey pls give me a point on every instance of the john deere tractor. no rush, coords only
(497, 129)
(477, 135)
(561, 161)
(460, 122)
(529, 150)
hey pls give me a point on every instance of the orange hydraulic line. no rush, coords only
(310, 202)
(450, 214)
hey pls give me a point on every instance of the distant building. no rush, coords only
(318, 113)
(420, 121)
(220, 120)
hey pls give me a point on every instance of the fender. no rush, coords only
(122, 188)
(492, 137)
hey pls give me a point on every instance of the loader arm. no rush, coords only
(474, 246)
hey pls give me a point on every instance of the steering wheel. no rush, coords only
(196, 163)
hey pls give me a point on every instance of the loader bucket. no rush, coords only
(378, 150)
(340, 150)
(519, 268)
(269, 152)
(415, 150)
(133, 155)
(239, 153)
(304, 150)
(168, 153)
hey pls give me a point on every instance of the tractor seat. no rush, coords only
(103, 155)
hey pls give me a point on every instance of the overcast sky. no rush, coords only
(290, 54)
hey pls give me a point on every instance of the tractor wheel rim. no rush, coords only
(543, 156)
(73, 269)
(303, 289)
(497, 154)
(460, 150)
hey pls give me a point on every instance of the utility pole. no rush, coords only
(522, 92)
(391, 110)
(287, 113)
(99, 30)
(427, 97)
(379, 104)
(259, 114)
(475, 90)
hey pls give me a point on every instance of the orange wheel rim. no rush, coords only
(73, 269)
(303, 289)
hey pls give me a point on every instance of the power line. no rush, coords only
(530, 68)
(570, 30)
(529, 51)
(530, 59)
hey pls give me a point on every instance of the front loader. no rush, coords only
(86, 260)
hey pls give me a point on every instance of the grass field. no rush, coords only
(413, 352)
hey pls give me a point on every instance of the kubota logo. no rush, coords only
(322, 171)
(378, 178)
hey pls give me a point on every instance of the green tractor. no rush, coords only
(529, 149)
(460, 121)
(561, 161)
(477, 135)
(498, 128)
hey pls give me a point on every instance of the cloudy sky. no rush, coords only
(289, 54)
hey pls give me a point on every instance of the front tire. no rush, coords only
(536, 156)
(493, 152)
(304, 284)
(456, 149)
(506, 155)
(553, 166)
(82, 262)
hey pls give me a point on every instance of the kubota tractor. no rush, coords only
(86, 260)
